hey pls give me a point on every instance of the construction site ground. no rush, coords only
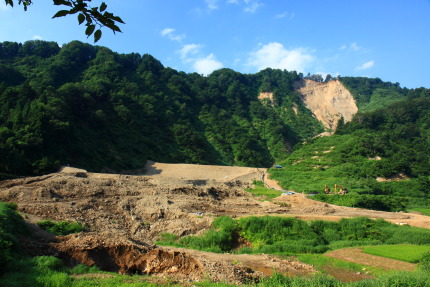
(125, 213)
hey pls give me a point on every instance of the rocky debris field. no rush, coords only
(124, 214)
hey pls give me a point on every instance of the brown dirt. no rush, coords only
(125, 213)
(356, 255)
(345, 275)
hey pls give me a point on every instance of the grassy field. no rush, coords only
(259, 190)
(322, 263)
(408, 253)
(424, 211)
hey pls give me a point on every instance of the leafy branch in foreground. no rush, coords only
(92, 16)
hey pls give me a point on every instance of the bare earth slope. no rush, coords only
(328, 101)
(126, 213)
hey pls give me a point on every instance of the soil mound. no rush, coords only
(126, 257)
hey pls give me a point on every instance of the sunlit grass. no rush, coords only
(259, 190)
(424, 211)
(408, 253)
(321, 263)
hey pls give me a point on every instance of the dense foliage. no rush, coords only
(88, 106)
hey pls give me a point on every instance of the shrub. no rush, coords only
(61, 227)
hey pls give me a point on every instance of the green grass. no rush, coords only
(424, 211)
(408, 253)
(260, 191)
(321, 263)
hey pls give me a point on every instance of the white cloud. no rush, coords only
(170, 33)
(354, 47)
(251, 6)
(191, 54)
(37, 37)
(212, 4)
(275, 55)
(167, 31)
(189, 49)
(286, 14)
(366, 65)
(207, 65)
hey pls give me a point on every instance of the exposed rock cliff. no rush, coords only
(328, 101)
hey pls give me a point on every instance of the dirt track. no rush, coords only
(356, 255)
(125, 213)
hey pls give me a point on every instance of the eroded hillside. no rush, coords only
(327, 101)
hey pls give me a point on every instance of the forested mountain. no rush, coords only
(93, 108)
(90, 107)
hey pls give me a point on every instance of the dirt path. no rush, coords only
(356, 255)
(209, 173)
(302, 207)
(270, 183)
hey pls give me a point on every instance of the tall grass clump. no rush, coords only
(218, 239)
(283, 235)
(287, 235)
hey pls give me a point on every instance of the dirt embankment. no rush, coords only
(327, 101)
(125, 214)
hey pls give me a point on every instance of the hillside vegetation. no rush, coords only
(381, 157)
(90, 107)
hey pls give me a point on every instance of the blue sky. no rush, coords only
(389, 39)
